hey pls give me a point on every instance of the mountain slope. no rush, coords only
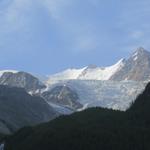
(63, 96)
(98, 73)
(87, 73)
(19, 109)
(22, 80)
(67, 74)
(136, 68)
(91, 129)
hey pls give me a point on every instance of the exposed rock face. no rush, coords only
(22, 80)
(63, 95)
(136, 68)
(19, 109)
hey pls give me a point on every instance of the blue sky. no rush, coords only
(47, 36)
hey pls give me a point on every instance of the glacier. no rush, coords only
(108, 94)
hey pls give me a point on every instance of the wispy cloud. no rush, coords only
(68, 27)
(14, 16)
(18, 14)
(137, 34)
(133, 23)
(56, 7)
(81, 32)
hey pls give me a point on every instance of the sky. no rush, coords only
(48, 36)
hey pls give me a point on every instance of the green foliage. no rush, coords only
(92, 129)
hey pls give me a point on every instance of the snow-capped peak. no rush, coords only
(88, 73)
(100, 73)
(139, 53)
(4, 71)
(140, 50)
(66, 75)
(113, 72)
(120, 63)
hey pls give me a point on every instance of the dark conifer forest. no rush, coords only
(92, 129)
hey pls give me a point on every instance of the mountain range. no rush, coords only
(103, 86)
(114, 87)
(133, 68)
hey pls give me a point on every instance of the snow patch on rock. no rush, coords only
(4, 71)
